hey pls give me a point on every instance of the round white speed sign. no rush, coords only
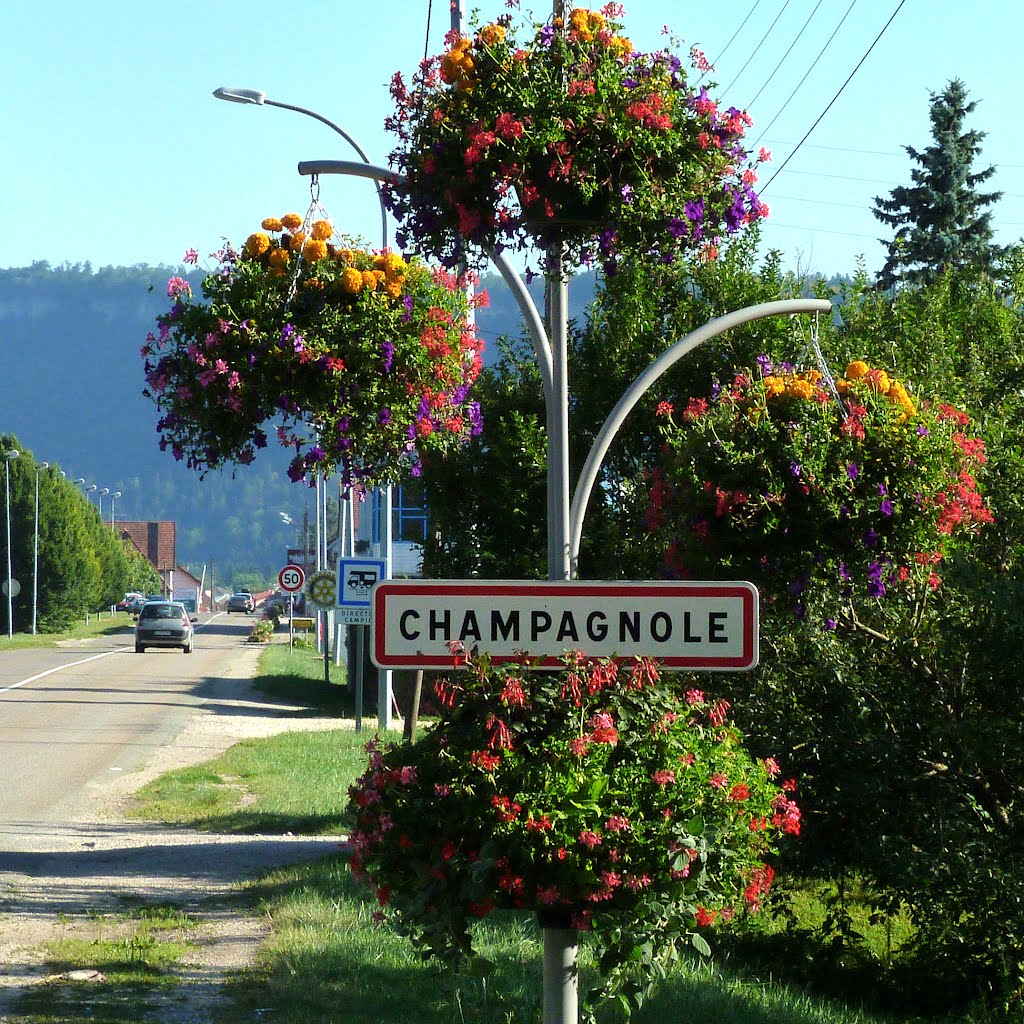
(291, 578)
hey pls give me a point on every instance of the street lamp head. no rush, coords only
(91, 487)
(116, 494)
(104, 491)
(80, 480)
(11, 455)
(43, 465)
(255, 96)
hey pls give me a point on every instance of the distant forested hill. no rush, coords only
(71, 389)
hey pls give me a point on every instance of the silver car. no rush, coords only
(164, 624)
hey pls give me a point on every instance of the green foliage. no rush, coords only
(599, 796)
(941, 220)
(82, 567)
(527, 135)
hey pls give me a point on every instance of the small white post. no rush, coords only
(560, 980)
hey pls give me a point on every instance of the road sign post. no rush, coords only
(356, 579)
(291, 579)
(686, 625)
(320, 589)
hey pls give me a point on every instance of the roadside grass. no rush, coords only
(328, 960)
(297, 676)
(107, 625)
(136, 954)
(295, 782)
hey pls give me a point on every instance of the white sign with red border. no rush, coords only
(686, 625)
(291, 578)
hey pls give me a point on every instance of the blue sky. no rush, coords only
(116, 152)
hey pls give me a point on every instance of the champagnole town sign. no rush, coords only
(684, 624)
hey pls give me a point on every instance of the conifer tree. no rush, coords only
(942, 221)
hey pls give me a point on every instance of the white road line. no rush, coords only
(59, 668)
(72, 664)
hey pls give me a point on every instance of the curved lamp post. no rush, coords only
(99, 499)
(35, 553)
(9, 457)
(113, 495)
(256, 97)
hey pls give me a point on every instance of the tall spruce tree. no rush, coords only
(942, 221)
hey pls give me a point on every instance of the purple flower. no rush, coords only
(922, 430)
(627, 193)
(316, 454)
(876, 588)
(677, 227)
(844, 573)
(384, 417)
(830, 624)
(886, 507)
(882, 490)
(870, 538)
(853, 471)
(794, 468)
(764, 365)
(547, 35)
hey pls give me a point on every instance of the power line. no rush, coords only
(728, 44)
(756, 48)
(867, 52)
(821, 52)
(786, 54)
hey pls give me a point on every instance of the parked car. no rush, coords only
(164, 624)
(135, 604)
(122, 605)
(241, 602)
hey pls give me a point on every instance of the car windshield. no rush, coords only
(161, 611)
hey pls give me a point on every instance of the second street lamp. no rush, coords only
(9, 457)
(35, 553)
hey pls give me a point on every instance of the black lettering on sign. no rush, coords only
(470, 627)
(440, 625)
(540, 622)
(629, 622)
(661, 627)
(688, 635)
(403, 621)
(597, 626)
(508, 628)
(716, 627)
(567, 628)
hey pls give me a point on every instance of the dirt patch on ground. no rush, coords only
(64, 876)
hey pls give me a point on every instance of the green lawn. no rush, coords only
(98, 625)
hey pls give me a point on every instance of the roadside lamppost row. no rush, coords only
(114, 494)
(9, 457)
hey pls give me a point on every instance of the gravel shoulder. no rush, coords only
(56, 878)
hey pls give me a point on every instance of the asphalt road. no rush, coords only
(71, 716)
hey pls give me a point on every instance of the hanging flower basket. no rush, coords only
(359, 361)
(778, 479)
(601, 797)
(530, 135)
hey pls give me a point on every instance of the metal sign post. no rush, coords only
(356, 579)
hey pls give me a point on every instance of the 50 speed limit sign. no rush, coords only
(291, 578)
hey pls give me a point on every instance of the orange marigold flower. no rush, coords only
(856, 369)
(271, 224)
(351, 280)
(322, 230)
(291, 221)
(256, 245)
(314, 249)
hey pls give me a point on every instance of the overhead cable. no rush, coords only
(756, 48)
(728, 44)
(867, 52)
(806, 73)
(786, 54)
